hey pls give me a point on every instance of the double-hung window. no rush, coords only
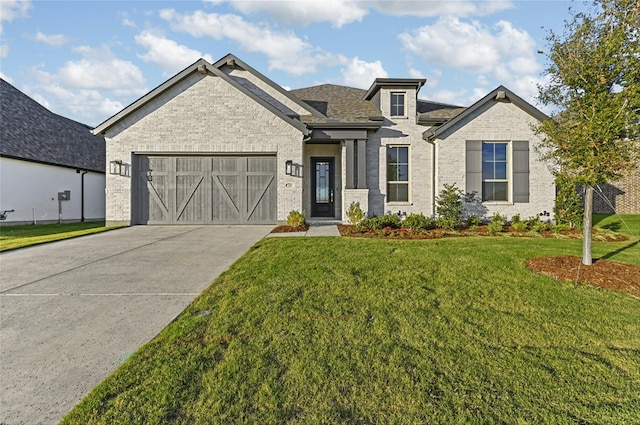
(398, 174)
(397, 104)
(495, 183)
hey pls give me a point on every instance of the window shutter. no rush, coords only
(520, 153)
(474, 168)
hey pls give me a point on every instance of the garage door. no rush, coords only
(206, 190)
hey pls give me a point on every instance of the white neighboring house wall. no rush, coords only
(31, 190)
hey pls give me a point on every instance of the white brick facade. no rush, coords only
(496, 121)
(205, 115)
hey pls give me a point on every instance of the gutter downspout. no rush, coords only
(82, 173)
(431, 141)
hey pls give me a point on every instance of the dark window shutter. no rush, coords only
(520, 153)
(474, 168)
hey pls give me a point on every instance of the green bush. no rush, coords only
(377, 223)
(449, 207)
(516, 219)
(520, 226)
(418, 222)
(541, 227)
(355, 213)
(497, 223)
(296, 218)
(474, 220)
(568, 208)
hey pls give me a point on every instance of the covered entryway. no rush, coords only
(205, 189)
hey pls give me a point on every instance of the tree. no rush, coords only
(594, 84)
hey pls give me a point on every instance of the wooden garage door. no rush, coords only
(206, 190)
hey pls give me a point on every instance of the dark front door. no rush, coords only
(323, 187)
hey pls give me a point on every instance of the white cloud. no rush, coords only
(304, 12)
(4, 51)
(416, 73)
(500, 53)
(285, 51)
(361, 74)
(342, 12)
(53, 39)
(100, 69)
(169, 55)
(11, 10)
(128, 23)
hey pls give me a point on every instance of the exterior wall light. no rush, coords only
(288, 167)
(115, 167)
(149, 176)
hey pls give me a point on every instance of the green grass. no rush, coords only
(347, 330)
(14, 237)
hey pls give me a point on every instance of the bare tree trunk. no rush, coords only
(587, 226)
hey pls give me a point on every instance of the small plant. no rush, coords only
(520, 226)
(377, 223)
(497, 223)
(516, 219)
(541, 227)
(418, 222)
(449, 207)
(355, 213)
(474, 220)
(296, 218)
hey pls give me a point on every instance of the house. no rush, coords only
(621, 197)
(222, 144)
(51, 167)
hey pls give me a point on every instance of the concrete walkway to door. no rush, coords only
(71, 311)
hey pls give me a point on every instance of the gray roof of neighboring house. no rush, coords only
(31, 132)
(434, 112)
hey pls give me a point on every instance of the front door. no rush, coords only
(323, 187)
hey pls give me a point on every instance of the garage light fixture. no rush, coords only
(149, 176)
(115, 167)
(288, 167)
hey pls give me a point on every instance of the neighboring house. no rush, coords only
(221, 143)
(43, 155)
(621, 197)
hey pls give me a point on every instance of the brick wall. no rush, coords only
(495, 121)
(621, 197)
(204, 115)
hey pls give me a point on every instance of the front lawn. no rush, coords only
(345, 330)
(13, 237)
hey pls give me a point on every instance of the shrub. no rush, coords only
(296, 219)
(568, 208)
(449, 207)
(474, 220)
(418, 222)
(355, 213)
(520, 226)
(541, 227)
(515, 219)
(497, 223)
(377, 223)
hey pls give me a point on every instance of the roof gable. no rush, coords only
(202, 66)
(501, 93)
(31, 132)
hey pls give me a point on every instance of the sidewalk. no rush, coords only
(314, 230)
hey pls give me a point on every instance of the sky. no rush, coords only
(86, 60)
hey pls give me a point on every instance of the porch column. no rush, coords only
(362, 164)
(350, 162)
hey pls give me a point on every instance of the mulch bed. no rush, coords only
(290, 229)
(602, 273)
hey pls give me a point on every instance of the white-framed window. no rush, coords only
(397, 174)
(495, 171)
(397, 104)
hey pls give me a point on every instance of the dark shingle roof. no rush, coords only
(338, 103)
(434, 111)
(31, 132)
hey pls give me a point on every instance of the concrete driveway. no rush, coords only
(72, 311)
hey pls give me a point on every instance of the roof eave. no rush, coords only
(396, 82)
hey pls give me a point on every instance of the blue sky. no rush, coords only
(86, 60)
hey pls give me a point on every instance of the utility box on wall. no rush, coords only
(64, 196)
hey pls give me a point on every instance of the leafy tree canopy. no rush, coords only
(594, 84)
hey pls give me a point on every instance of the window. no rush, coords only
(397, 104)
(494, 172)
(398, 174)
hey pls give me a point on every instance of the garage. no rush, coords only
(217, 189)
